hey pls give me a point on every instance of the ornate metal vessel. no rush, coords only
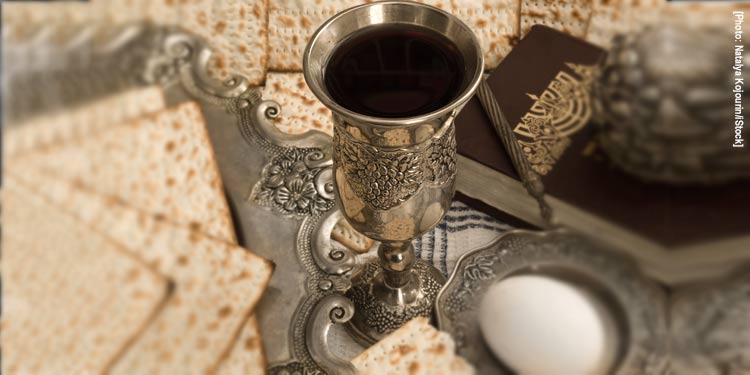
(667, 106)
(395, 176)
(637, 305)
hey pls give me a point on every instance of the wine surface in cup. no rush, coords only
(395, 71)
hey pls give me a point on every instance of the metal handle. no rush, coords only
(531, 180)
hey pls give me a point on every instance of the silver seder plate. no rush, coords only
(300, 313)
(637, 304)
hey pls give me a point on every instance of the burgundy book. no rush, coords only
(542, 87)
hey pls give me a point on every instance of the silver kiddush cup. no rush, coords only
(395, 177)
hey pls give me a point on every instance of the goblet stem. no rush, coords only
(397, 259)
(391, 291)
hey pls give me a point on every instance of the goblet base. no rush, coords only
(381, 309)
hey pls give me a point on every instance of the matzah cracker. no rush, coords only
(162, 163)
(247, 355)
(608, 18)
(494, 22)
(291, 23)
(345, 234)
(646, 12)
(237, 31)
(300, 109)
(612, 17)
(570, 17)
(177, 199)
(87, 119)
(72, 299)
(415, 348)
(216, 284)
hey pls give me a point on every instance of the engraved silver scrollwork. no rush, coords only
(164, 65)
(181, 56)
(331, 309)
(264, 114)
(319, 285)
(297, 180)
(297, 183)
(332, 260)
(231, 87)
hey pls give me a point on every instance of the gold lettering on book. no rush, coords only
(560, 111)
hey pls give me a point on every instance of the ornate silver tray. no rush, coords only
(711, 327)
(300, 312)
(637, 304)
(303, 301)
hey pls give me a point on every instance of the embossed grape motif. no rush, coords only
(441, 161)
(384, 178)
(385, 317)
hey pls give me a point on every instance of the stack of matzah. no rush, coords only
(119, 250)
(251, 37)
(496, 23)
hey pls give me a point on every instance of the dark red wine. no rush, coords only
(395, 71)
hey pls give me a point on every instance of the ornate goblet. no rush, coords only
(394, 176)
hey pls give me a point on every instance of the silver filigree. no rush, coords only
(294, 368)
(180, 56)
(296, 182)
(303, 158)
(331, 309)
(290, 184)
(670, 125)
(332, 260)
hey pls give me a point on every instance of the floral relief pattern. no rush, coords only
(480, 268)
(288, 183)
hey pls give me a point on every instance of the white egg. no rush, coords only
(541, 325)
